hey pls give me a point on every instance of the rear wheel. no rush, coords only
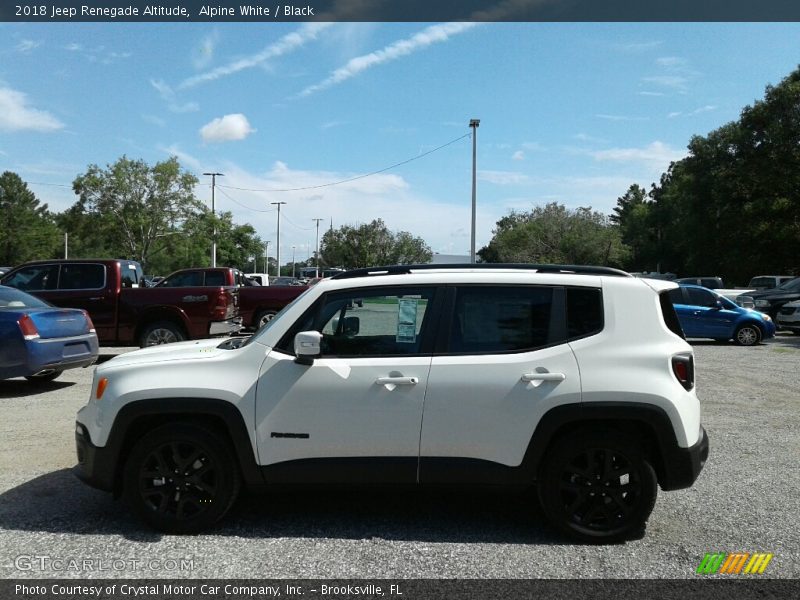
(162, 332)
(181, 478)
(44, 376)
(747, 335)
(597, 487)
(264, 317)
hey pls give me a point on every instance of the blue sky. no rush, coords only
(573, 113)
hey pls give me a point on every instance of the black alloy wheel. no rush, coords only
(181, 478)
(598, 487)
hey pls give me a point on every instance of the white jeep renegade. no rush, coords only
(574, 379)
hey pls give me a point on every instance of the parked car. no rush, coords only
(261, 278)
(4, 270)
(257, 305)
(789, 317)
(704, 313)
(574, 379)
(767, 282)
(123, 311)
(284, 281)
(771, 301)
(712, 283)
(39, 341)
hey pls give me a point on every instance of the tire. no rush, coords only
(45, 377)
(264, 317)
(747, 335)
(597, 487)
(170, 500)
(161, 332)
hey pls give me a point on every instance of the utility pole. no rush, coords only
(266, 257)
(278, 204)
(316, 256)
(293, 263)
(214, 217)
(474, 123)
(66, 245)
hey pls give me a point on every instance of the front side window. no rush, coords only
(500, 319)
(375, 322)
(185, 279)
(699, 297)
(34, 278)
(82, 277)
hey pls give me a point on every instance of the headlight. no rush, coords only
(762, 303)
(766, 317)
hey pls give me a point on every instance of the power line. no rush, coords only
(332, 183)
(261, 210)
(296, 225)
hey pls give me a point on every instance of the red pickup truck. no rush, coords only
(125, 313)
(257, 304)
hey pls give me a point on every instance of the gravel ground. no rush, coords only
(746, 499)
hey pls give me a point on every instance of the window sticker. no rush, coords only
(407, 320)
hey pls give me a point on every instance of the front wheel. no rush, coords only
(597, 487)
(181, 478)
(747, 335)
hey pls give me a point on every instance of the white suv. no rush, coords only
(573, 379)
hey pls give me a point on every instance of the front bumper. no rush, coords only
(683, 465)
(96, 465)
(225, 327)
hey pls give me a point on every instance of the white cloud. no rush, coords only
(185, 158)
(168, 95)
(502, 177)
(16, 115)
(428, 36)
(648, 93)
(26, 46)
(671, 62)
(226, 129)
(672, 115)
(656, 155)
(73, 47)
(620, 118)
(518, 155)
(154, 120)
(583, 137)
(203, 54)
(702, 109)
(288, 43)
(675, 82)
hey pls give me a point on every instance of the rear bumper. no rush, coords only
(56, 354)
(683, 465)
(225, 327)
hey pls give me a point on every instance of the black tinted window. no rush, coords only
(698, 297)
(34, 278)
(82, 277)
(676, 296)
(500, 319)
(215, 278)
(584, 311)
(186, 279)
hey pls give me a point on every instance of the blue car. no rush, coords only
(705, 314)
(39, 341)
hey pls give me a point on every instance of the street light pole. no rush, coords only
(214, 217)
(266, 257)
(278, 204)
(316, 256)
(474, 123)
(293, 263)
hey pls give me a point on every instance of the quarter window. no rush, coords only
(500, 319)
(584, 311)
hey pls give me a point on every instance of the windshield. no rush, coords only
(793, 285)
(277, 317)
(13, 299)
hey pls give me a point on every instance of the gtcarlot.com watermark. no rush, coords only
(41, 563)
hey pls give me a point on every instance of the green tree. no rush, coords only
(371, 244)
(145, 202)
(556, 234)
(27, 229)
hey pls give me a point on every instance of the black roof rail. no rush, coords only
(406, 269)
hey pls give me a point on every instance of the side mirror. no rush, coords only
(351, 325)
(718, 305)
(307, 347)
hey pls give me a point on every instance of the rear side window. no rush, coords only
(500, 319)
(34, 278)
(215, 278)
(186, 279)
(584, 312)
(82, 277)
(668, 313)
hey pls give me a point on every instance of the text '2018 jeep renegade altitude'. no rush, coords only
(574, 379)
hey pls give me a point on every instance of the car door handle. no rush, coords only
(544, 377)
(397, 380)
(96, 298)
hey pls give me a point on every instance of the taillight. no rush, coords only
(221, 309)
(89, 322)
(28, 328)
(683, 368)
